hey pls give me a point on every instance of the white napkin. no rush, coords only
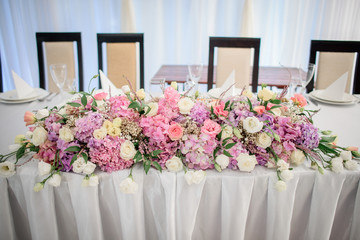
(23, 89)
(336, 91)
(230, 81)
(108, 86)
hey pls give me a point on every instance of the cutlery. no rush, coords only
(44, 97)
(52, 96)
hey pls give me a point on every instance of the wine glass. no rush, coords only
(58, 74)
(305, 77)
(157, 86)
(195, 71)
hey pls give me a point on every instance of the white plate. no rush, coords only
(347, 98)
(39, 92)
(12, 95)
(355, 100)
(216, 92)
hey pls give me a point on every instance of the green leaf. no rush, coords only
(355, 154)
(156, 152)
(250, 105)
(73, 159)
(326, 132)
(137, 157)
(226, 153)
(74, 104)
(134, 105)
(237, 132)
(276, 106)
(73, 149)
(147, 165)
(215, 151)
(275, 101)
(219, 135)
(225, 141)
(157, 166)
(325, 149)
(212, 110)
(226, 104)
(20, 152)
(84, 100)
(148, 110)
(328, 139)
(217, 167)
(85, 156)
(94, 103)
(230, 145)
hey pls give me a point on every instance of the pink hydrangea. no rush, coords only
(155, 127)
(47, 152)
(106, 154)
(171, 96)
(119, 107)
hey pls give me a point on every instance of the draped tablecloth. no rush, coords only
(227, 205)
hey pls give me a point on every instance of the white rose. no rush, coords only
(222, 160)
(346, 155)
(42, 113)
(89, 167)
(14, 147)
(337, 159)
(276, 111)
(227, 132)
(174, 164)
(252, 124)
(265, 94)
(287, 175)
(39, 136)
(66, 134)
(43, 168)
(174, 85)
(7, 169)
(62, 111)
(29, 134)
(127, 150)
(297, 157)
(270, 164)
(247, 93)
(282, 165)
(263, 140)
(194, 176)
(154, 107)
(351, 165)
(141, 94)
(337, 166)
(78, 165)
(55, 180)
(125, 89)
(117, 122)
(128, 186)
(280, 186)
(185, 105)
(38, 187)
(246, 162)
(93, 180)
(100, 133)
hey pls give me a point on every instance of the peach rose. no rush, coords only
(100, 96)
(259, 109)
(29, 118)
(219, 110)
(299, 99)
(352, 148)
(175, 131)
(211, 128)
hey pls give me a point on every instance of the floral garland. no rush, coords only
(175, 132)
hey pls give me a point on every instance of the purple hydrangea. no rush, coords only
(199, 113)
(85, 126)
(309, 136)
(65, 156)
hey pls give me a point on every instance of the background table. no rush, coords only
(272, 76)
(230, 205)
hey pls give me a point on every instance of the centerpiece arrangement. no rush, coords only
(175, 132)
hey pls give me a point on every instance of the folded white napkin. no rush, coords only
(336, 91)
(108, 86)
(230, 81)
(23, 89)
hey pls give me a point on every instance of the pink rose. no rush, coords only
(219, 110)
(352, 148)
(299, 99)
(211, 128)
(269, 106)
(175, 131)
(259, 109)
(29, 118)
(100, 96)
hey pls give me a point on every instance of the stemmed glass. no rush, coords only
(305, 79)
(58, 74)
(195, 72)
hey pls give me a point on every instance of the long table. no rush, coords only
(227, 205)
(271, 76)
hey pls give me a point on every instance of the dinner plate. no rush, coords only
(354, 101)
(347, 98)
(216, 92)
(38, 93)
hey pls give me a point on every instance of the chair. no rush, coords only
(1, 82)
(234, 54)
(334, 59)
(56, 48)
(124, 58)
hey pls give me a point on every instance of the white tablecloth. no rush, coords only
(230, 205)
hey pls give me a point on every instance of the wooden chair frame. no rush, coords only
(234, 42)
(336, 46)
(122, 38)
(59, 37)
